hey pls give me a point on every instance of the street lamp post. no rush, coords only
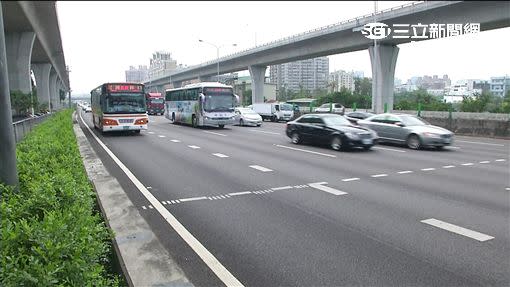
(217, 57)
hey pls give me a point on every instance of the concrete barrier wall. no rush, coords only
(23, 127)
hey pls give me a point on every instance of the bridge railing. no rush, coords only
(23, 127)
(299, 36)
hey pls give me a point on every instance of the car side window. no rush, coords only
(304, 120)
(378, 119)
(316, 120)
(391, 119)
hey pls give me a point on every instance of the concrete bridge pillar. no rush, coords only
(384, 61)
(258, 74)
(59, 89)
(53, 83)
(42, 79)
(19, 54)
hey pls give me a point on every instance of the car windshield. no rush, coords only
(125, 103)
(284, 107)
(336, 121)
(412, 121)
(248, 112)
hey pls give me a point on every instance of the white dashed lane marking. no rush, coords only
(350, 179)
(501, 159)
(161, 136)
(448, 166)
(282, 187)
(192, 199)
(482, 143)
(388, 149)
(405, 172)
(151, 133)
(271, 133)
(261, 168)
(379, 175)
(194, 146)
(239, 193)
(320, 186)
(213, 133)
(457, 229)
(175, 141)
(428, 169)
(485, 161)
(467, 164)
(304, 150)
(219, 155)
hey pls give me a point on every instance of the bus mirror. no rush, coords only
(237, 99)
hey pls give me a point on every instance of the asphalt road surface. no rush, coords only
(277, 214)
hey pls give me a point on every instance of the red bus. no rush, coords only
(119, 107)
(155, 103)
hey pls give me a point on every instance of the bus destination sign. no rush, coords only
(124, 88)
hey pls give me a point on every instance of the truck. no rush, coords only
(274, 111)
(155, 103)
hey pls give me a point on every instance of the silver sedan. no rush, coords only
(409, 130)
(246, 116)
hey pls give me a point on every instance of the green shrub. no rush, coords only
(51, 232)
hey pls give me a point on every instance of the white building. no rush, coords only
(456, 93)
(341, 79)
(310, 74)
(161, 64)
(500, 85)
(137, 75)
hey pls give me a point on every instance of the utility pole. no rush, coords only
(8, 170)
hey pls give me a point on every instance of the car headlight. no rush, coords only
(207, 118)
(431, 135)
(352, 136)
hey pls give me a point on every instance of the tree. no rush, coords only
(20, 102)
(247, 98)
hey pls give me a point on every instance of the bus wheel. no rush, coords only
(221, 126)
(194, 122)
(173, 118)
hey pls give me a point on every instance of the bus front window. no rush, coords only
(125, 103)
(219, 103)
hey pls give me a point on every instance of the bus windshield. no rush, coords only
(219, 102)
(125, 103)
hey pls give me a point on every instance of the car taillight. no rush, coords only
(143, 121)
(109, 122)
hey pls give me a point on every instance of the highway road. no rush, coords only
(276, 214)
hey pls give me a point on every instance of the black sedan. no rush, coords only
(331, 129)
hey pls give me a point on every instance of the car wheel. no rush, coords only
(439, 147)
(367, 147)
(221, 126)
(296, 138)
(241, 123)
(336, 143)
(413, 142)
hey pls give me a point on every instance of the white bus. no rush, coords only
(201, 104)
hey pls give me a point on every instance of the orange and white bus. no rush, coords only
(119, 107)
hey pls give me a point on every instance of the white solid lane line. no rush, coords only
(379, 175)
(271, 133)
(405, 171)
(448, 166)
(389, 149)
(304, 150)
(480, 143)
(213, 133)
(220, 155)
(457, 229)
(193, 146)
(282, 187)
(212, 262)
(427, 169)
(193, 198)
(261, 168)
(175, 141)
(319, 186)
(350, 179)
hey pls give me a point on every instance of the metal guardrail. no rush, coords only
(293, 38)
(23, 127)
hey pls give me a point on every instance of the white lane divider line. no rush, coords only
(219, 155)
(282, 187)
(161, 136)
(428, 169)
(149, 187)
(467, 164)
(239, 193)
(507, 188)
(405, 172)
(501, 159)
(175, 141)
(320, 186)
(151, 133)
(151, 207)
(388, 149)
(485, 161)
(144, 207)
(448, 166)
(218, 134)
(177, 201)
(350, 179)
(457, 229)
(304, 150)
(168, 202)
(192, 198)
(379, 175)
(194, 146)
(261, 168)
(272, 133)
(455, 147)
(480, 143)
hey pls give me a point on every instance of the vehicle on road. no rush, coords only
(409, 130)
(334, 130)
(274, 111)
(155, 103)
(331, 107)
(247, 116)
(88, 109)
(354, 117)
(119, 107)
(201, 104)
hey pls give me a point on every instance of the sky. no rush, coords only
(102, 39)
